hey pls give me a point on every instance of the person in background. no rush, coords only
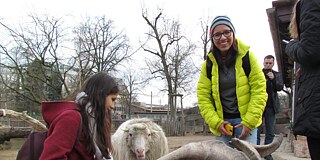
(91, 107)
(274, 84)
(304, 49)
(230, 97)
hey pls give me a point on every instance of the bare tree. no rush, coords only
(41, 68)
(33, 55)
(99, 46)
(133, 81)
(172, 51)
(205, 38)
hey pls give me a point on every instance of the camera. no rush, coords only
(229, 128)
(266, 71)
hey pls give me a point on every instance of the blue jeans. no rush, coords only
(269, 121)
(251, 137)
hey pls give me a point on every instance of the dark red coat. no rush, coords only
(64, 120)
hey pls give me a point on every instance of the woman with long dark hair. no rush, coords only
(90, 110)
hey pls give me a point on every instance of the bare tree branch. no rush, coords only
(173, 51)
(100, 47)
(34, 61)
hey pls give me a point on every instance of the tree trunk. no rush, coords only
(6, 133)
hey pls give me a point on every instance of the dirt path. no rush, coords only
(14, 145)
(176, 142)
(173, 142)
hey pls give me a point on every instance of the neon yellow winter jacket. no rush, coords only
(250, 91)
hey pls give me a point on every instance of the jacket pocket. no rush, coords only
(300, 110)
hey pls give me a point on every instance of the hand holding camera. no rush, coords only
(268, 73)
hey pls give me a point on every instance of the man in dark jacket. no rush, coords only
(274, 84)
(305, 50)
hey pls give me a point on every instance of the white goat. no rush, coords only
(139, 139)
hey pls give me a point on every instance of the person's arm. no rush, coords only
(206, 107)
(277, 82)
(62, 136)
(258, 94)
(306, 50)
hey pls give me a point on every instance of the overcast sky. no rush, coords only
(248, 16)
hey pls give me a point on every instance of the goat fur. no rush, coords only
(155, 147)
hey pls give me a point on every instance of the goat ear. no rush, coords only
(125, 129)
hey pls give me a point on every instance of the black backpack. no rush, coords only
(33, 146)
(245, 65)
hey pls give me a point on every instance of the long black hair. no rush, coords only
(97, 88)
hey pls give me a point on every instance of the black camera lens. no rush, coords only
(266, 71)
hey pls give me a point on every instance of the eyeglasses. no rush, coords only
(218, 35)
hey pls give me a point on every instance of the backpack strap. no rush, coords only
(79, 131)
(209, 67)
(245, 65)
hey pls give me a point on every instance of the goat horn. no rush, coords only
(205, 150)
(253, 151)
(265, 150)
(125, 129)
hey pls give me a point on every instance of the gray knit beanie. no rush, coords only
(221, 20)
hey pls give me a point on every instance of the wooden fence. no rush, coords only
(194, 124)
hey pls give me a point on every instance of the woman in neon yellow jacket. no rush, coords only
(229, 96)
